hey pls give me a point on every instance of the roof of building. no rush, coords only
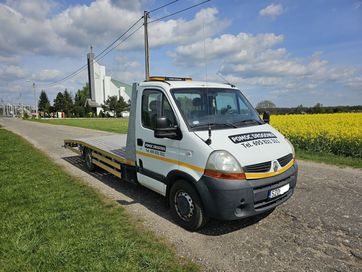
(127, 87)
(91, 103)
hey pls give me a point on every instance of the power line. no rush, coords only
(111, 46)
(138, 28)
(182, 10)
(118, 38)
(79, 70)
(76, 72)
(163, 6)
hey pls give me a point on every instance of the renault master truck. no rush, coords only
(202, 146)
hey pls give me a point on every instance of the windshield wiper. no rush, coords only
(215, 124)
(248, 121)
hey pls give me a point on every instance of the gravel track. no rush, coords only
(318, 229)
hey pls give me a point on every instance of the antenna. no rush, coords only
(208, 141)
(205, 59)
(147, 52)
(226, 81)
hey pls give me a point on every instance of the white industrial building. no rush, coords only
(103, 86)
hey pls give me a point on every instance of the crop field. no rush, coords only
(339, 133)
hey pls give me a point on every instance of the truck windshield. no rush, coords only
(220, 108)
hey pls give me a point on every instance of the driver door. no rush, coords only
(156, 157)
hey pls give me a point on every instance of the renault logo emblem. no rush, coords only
(275, 166)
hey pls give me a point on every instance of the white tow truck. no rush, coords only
(202, 146)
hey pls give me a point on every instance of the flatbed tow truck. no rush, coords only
(202, 146)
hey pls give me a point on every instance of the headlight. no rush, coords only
(221, 164)
(291, 146)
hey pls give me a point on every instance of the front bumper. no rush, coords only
(231, 200)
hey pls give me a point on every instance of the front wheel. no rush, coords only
(186, 206)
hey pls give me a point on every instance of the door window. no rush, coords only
(154, 105)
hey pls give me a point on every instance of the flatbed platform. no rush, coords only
(108, 152)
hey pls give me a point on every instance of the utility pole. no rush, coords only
(147, 56)
(35, 104)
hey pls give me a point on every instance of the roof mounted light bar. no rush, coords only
(164, 78)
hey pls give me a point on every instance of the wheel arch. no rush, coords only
(175, 175)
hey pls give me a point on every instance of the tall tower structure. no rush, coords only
(90, 62)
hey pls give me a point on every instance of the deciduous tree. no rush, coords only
(265, 104)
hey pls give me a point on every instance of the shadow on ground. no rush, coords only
(156, 203)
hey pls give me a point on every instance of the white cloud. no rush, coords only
(10, 59)
(129, 4)
(46, 75)
(126, 70)
(232, 48)
(38, 9)
(13, 72)
(204, 24)
(27, 28)
(255, 60)
(177, 32)
(273, 10)
(357, 5)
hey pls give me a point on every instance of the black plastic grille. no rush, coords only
(283, 161)
(258, 168)
(265, 166)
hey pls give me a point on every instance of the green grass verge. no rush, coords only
(50, 221)
(118, 125)
(329, 158)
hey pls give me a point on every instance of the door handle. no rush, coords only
(139, 142)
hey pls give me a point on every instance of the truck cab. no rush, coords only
(204, 147)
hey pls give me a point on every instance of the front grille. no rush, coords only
(283, 161)
(258, 168)
(265, 166)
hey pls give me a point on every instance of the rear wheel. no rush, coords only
(186, 206)
(88, 160)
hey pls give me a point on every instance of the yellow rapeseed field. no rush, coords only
(338, 133)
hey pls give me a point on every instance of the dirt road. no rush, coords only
(319, 229)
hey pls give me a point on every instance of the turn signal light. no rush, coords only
(222, 175)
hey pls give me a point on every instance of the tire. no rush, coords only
(186, 206)
(88, 160)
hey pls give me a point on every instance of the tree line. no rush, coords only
(77, 106)
(267, 105)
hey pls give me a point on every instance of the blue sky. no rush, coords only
(290, 52)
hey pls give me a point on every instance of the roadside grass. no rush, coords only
(50, 221)
(329, 158)
(118, 125)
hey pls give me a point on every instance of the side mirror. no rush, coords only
(266, 117)
(165, 130)
(163, 123)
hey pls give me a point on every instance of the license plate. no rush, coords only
(279, 191)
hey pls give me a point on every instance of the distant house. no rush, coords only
(125, 113)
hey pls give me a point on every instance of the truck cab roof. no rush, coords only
(185, 84)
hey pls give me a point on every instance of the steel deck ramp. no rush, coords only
(108, 152)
